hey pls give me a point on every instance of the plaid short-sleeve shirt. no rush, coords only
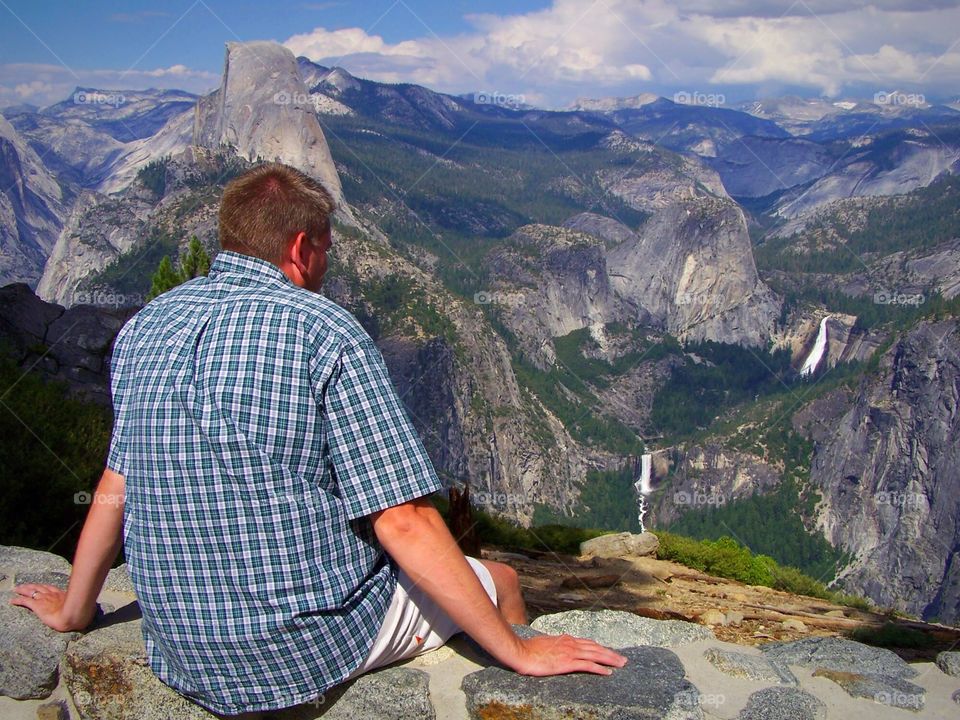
(257, 428)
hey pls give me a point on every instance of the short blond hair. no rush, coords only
(265, 207)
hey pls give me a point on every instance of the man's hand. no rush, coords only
(558, 654)
(48, 606)
(416, 537)
(100, 541)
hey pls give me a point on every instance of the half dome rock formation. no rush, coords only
(263, 109)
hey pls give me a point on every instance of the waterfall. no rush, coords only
(643, 486)
(819, 347)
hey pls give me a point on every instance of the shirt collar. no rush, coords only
(232, 262)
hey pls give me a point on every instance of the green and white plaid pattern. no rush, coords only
(257, 428)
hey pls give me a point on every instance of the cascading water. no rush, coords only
(819, 347)
(643, 486)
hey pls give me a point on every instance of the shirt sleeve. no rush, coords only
(119, 378)
(378, 459)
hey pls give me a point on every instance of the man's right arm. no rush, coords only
(415, 535)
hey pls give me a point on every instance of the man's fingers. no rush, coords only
(590, 667)
(39, 588)
(28, 589)
(601, 655)
(601, 652)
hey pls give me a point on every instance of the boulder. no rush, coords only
(949, 662)
(29, 651)
(617, 629)
(751, 667)
(651, 685)
(884, 689)
(777, 703)
(832, 653)
(29, 654)
(621, 545)
(107, 675)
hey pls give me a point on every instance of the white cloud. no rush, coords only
(613, 47)
(626, 47)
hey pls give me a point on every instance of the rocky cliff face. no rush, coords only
(70, 345)
(477, 422)
(99, 229)
(913, 272)
(888, 169)
(693, 271)
(888, 466)
(758, 166)
(845, 341)
(550, 281)
(689, 272)
(704, 477)
(659, 179)
(273, 120)
(132, 224)
(32, 209)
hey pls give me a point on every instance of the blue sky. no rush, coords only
(116, 34)
(548, 51)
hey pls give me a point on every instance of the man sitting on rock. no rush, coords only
(261, 463)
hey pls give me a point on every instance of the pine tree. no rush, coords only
(195, 262)
(165, 278)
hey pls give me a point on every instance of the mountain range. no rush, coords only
(557, 292)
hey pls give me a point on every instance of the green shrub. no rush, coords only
(790, 579)
(724, 557)
(54, 447)
(854, 601)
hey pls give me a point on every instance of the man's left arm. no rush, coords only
(100, 541)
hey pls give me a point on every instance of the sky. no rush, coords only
(542, 52)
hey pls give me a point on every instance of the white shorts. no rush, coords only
(414, 623)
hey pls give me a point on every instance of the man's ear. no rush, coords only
(298, 252)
